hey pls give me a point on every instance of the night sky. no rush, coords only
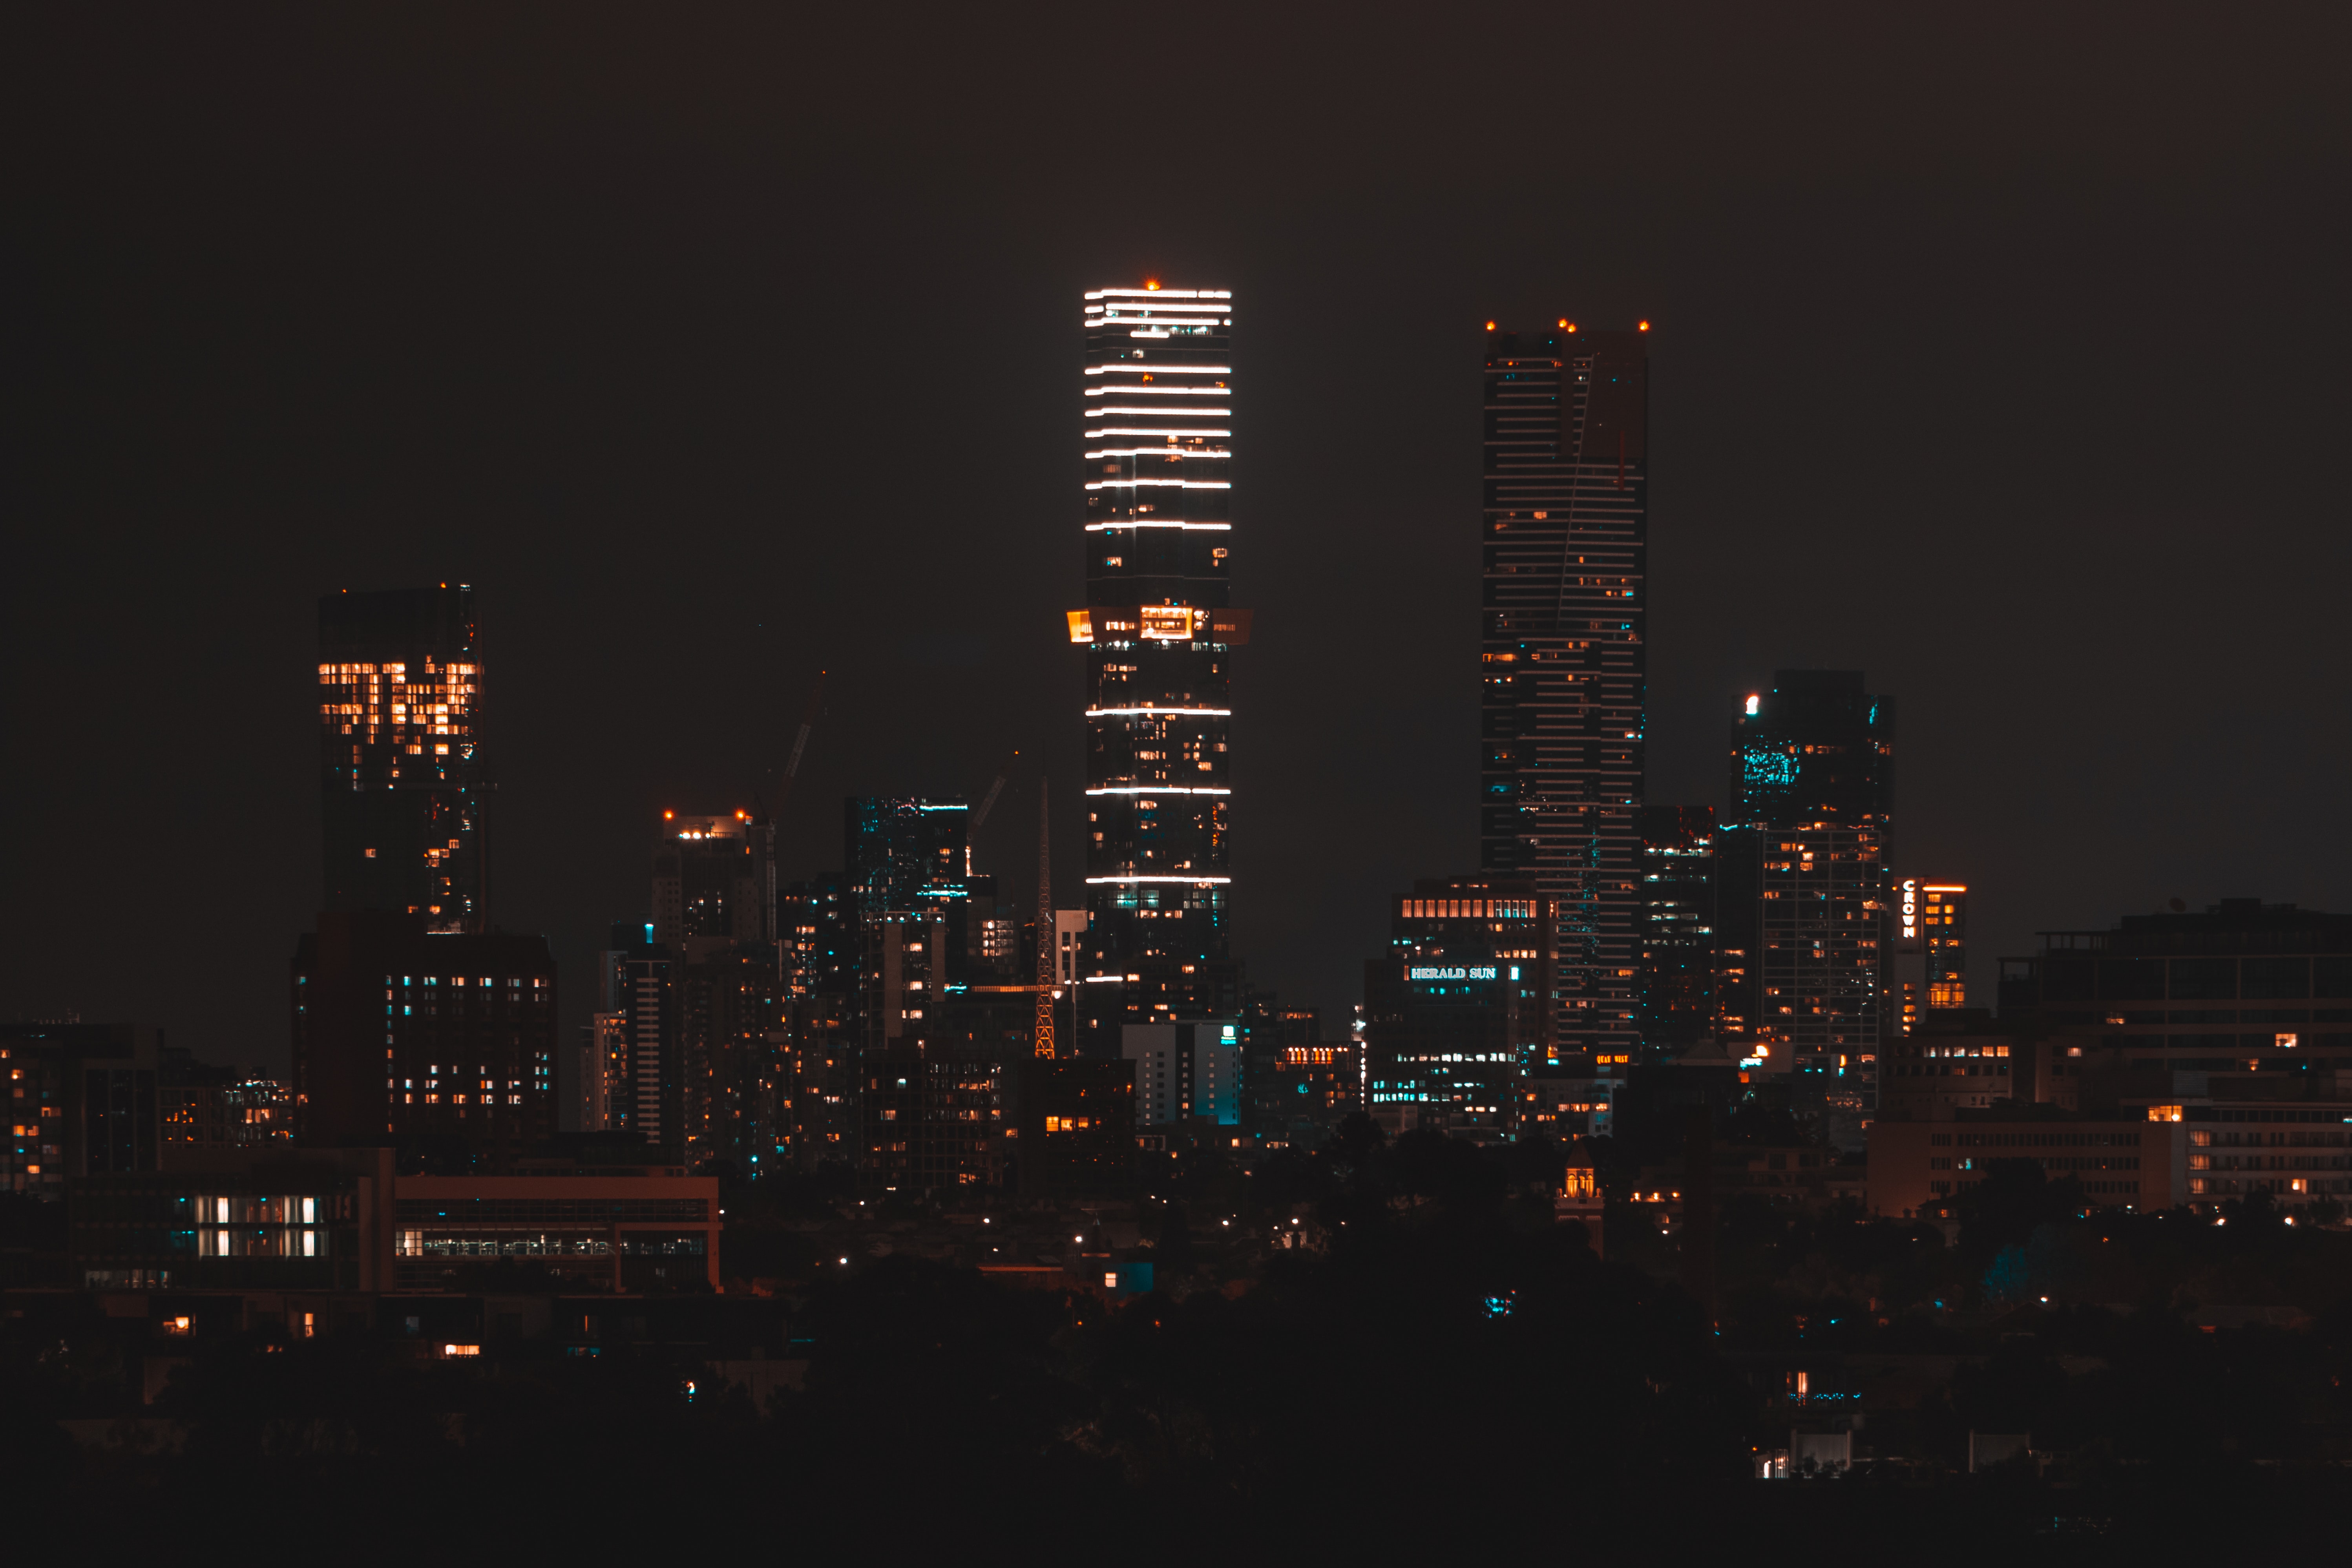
(2001, 356)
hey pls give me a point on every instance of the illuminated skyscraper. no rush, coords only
(400, 685)
(1930, 924)
(1803, 878)
(1566, 540)
(1453, 1012)
(1677, 932)
(713, 877)
(1158, 629)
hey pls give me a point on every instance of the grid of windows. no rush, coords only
(1564, 668)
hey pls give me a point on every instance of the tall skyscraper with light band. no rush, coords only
(1158, 628)
(1562, 655)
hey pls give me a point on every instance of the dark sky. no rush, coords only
(2000, 355)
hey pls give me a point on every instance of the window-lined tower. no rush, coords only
(1802, 879)
(400, 682)
(1566, 540)
(1159, 631)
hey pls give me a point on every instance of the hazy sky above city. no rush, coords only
(1999, 354)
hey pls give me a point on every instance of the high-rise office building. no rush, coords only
(1801, 877)
(1565, 533)
(1453, 1013)
(1675, 935)
(715, 912)
(426, 1039)
(713, 877)
(1927, 923)
(82, 1101)
(400, 684)
(906, 853)
(645, 1094)
(1159, 629)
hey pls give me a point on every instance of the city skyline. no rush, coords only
(1130, 763)
(653, 442)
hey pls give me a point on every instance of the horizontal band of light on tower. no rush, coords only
(1160, 370)
(1105, 527)
(1158, 789)
(1159, 293)
(1162, 452)
(1124, 430)
(1109, 712)
(1201, 882)
(1142, 391)
(1162, 485)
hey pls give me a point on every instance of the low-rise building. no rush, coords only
(1915, 1167)
(341, 1219)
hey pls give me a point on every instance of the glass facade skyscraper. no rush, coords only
(1565, 534)
(1451, 1011)
(1802, 870)
(1675, 937)
(1158, 629)
(400, 683)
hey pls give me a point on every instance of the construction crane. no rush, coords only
(800, 744)
(1045, 938)
(988, 801)
(765, 816)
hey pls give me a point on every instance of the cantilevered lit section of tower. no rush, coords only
(1159, 629)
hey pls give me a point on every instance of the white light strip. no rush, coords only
(1101, 527)
(1095, 881)
(1164, 452)
(1159, 293)
(1162, 485)
(1105, 712)
(1148, 430)
(1160, 370)
(1163, 391)
(1158, 789)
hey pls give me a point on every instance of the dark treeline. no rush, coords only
(1440, 1367)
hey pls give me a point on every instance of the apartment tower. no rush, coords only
(1565, 531)
(1158, 629)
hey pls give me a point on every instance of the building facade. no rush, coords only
(423, 1037)
(2242, 987)
(1186, 1071)
(1674, 936)
(1927, 926)
(1159, 630)
(1802, 881)
(401, 796)
(1563, 660)
(83, 1099)
(1455, 1013)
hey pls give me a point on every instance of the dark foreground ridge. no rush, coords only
(1368, 1348)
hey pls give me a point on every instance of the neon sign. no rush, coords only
(1474, 972)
